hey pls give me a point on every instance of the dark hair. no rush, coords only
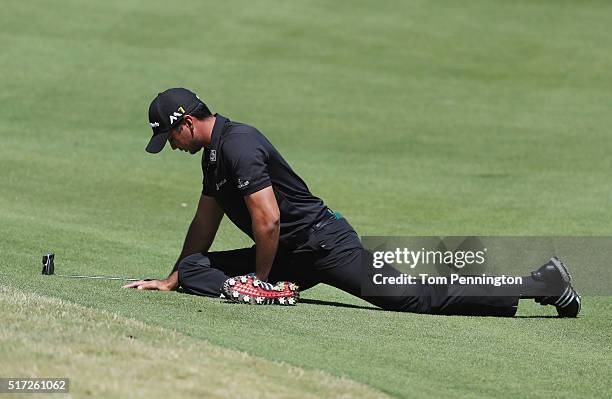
(201, 112)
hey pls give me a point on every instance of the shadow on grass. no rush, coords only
(351, 306)
(316, 302)
(337, 304)
(347, 305)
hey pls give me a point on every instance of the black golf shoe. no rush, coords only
(558, 281)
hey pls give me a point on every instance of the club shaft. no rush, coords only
(101, 277)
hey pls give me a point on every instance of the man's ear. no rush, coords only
(189, 122)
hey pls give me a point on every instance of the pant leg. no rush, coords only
(341, 264)
(204, 273)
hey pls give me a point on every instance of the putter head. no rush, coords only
(47, 261)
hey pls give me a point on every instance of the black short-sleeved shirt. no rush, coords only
(241, 161)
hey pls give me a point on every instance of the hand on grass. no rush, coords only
(159, 285)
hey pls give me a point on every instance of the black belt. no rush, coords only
(332, 217)
(303, 236)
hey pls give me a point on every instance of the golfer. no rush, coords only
(299, 241)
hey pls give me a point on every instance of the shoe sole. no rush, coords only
(567, 278)
(562, 269)
(238, 297)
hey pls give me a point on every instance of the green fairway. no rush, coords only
(409, 117)
(86, 344)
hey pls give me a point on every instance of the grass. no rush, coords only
(411, 118)
(107, 356)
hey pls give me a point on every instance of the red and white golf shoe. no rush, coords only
(248, 289)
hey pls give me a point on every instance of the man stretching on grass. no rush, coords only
(298, 240)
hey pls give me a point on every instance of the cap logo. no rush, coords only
(181, 110)
(154, 124)
(174, 117)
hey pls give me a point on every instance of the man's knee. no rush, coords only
(197, 276)
(192, 264)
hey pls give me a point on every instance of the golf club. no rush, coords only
(49, 269)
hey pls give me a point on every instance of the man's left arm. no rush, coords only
(265, 223)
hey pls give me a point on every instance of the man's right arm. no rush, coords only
(199, 238)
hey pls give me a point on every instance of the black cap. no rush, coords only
(166, 112)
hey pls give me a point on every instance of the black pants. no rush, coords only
(333, 255)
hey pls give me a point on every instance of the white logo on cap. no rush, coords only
(154, 124)
(174, 117)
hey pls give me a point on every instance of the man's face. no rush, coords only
(182, 137)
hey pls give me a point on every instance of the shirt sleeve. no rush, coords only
(247, 158)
